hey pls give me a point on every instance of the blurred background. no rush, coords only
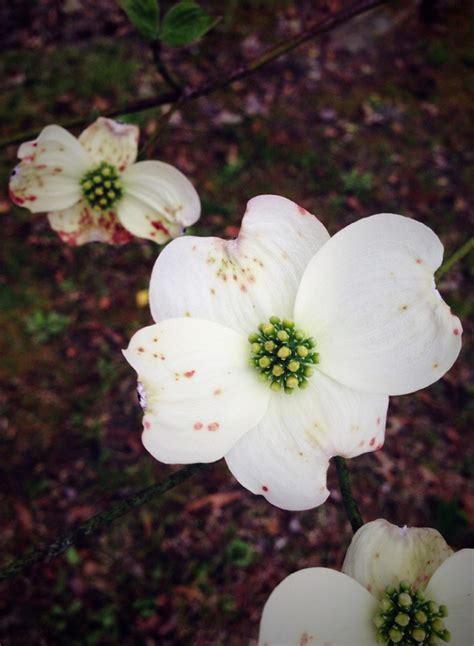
(375, 116)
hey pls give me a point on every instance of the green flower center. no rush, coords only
(102, 187)
(405, 617)
(282, 354)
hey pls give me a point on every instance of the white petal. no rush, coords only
(242, 282)
(453, 585)
(369, 299)
(285, 458)
(79, 224)
(383, 554)
(111, 141)
(48, 176)
(146, 222)
(200, 393)
(165, 190)
(318, 607)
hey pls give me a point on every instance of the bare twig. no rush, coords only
(97, 522)
(225, 80)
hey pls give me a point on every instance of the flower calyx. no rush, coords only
(406, 618)
(283, 354)
(102, 187)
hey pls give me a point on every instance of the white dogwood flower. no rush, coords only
(399, 586)
(93, 190)
(278, 350)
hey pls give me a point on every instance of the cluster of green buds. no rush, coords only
(282, 354)
(101, 187)
(405, 617)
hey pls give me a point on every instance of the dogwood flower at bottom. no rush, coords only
(399, 586)
(278, 350)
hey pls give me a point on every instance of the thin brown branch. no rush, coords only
(224, 80)
(39, 554)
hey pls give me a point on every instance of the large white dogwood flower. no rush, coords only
(278, 349)
(93, 190)
(401, 586)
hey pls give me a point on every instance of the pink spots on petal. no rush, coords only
(372, 441)
(189, 374)
(217, 391)
(302, 210)
(243, 288)
(159, 226)
(378, 421)
(379, 446)
(31, 198)
(141, 349)
(120, 235)
(198, 426)
(456, 331)
(264, 488)
(213, 426)
(418, 261)
(147, 425)
(15, 198)
(68, 238)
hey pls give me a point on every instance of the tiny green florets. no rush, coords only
(102, 187)
(282, 354)
(406, 618)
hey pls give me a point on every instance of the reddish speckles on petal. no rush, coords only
(379, 446)
(147, 425)
(198, 426)
(141, 349)
(372, 441)
(217, 391)
(189, 374)
(15, 198)
(68, 238)
(243, 288)
(456, 331)
(31, 198)
(418, 261)
(378, 421)
(302, 210)
(213, 426)
(159, 226)
(121, 235)
(264, 488)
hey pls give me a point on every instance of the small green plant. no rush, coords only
(44, 325)
(240, 553)
(358, 183)
(184, 22)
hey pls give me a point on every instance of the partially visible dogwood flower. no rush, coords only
(278, 350)
(399, 586)
(93, 190)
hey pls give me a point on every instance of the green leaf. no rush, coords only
(183, 23)
(144, 15)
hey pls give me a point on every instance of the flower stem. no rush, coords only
(350, 505)
(96, 523)
(456, 257)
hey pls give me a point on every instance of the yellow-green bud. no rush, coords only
(269, 346)
(402, 619)
(282, 335)
(418, 634)
(284, 352)
(291, 382)
(293, 366)
(278, 370)
(302, 351)
(264, 362)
